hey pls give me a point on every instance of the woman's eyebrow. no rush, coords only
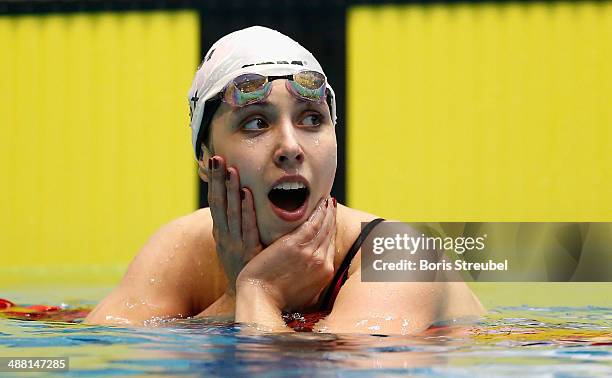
(264, 105)
(309, 105)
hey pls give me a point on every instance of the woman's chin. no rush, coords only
(274, 227)
(270, 237)
(271, 234)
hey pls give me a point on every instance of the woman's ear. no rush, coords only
(203, 171)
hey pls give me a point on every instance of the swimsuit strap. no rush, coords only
(342, 273)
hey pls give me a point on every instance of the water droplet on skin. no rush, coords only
(361, 323)
(316, 141)
(152, 280)
(404, 329)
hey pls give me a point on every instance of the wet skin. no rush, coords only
(261, 143)
(262, 252)
(241, 258)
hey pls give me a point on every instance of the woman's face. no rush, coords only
(285, 151)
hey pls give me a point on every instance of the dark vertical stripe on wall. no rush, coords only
(319, 26)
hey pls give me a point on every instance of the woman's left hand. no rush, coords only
(293, 271)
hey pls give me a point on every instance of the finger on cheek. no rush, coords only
(328, 211)
(335, 209)
(250, 234)
(217, 193)
(233, 189)
(324, 225)
(219, 169)
(319, 212)
(234, 213)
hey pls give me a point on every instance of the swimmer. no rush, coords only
(263, 120)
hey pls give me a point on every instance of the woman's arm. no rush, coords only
(397, 307)
(174, 275)
(255, 307)
(384, 307)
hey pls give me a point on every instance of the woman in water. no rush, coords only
(273, 240)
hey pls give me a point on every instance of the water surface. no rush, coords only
(507, 342)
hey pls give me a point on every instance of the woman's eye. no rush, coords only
(312, 120)
(255, 124)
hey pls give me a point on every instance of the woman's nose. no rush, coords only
(289, 152)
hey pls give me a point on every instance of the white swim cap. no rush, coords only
(252, 50)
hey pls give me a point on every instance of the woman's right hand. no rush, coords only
(234, 223)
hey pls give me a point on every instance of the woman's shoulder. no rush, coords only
(191, 231)
(187, 231)
(175, 273)
(192, 239)
(355, 215)
(182, 254)
(351, 221)
(349, 224)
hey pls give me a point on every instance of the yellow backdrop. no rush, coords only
(478, 112)
(95, 144)
(481, 112)
(484, 112)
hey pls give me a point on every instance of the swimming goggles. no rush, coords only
(251, 88)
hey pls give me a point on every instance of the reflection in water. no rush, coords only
(507, 342)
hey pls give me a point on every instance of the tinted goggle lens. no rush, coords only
(309, 85)
(251, 88)
(247, 89)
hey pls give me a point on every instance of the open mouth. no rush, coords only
(289, 196)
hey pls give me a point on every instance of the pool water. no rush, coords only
(507, 342)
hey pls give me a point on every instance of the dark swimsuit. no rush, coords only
(304, 322)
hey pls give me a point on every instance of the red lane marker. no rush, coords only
(43, 308)
(5, 303)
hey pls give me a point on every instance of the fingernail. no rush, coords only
(215, 163)
(209, 164)
(335, 202)
(242, 194)
(228, 175)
